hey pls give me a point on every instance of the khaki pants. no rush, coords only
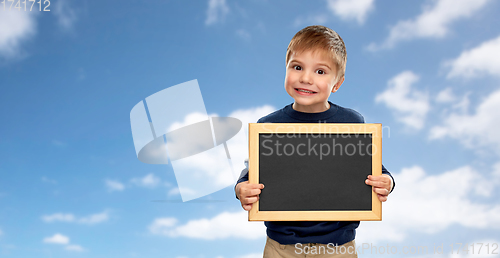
(274, 249)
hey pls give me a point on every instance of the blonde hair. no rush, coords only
(319, 37)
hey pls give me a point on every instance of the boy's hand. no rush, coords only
(248, 194)
(381, 185)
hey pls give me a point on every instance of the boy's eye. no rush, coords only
(297, 67)
(320, 72)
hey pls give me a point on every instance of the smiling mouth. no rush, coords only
(305, 91)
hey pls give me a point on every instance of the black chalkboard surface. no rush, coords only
(315, 171)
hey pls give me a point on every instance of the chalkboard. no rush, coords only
(315, 172)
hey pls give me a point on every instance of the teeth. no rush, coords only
(306, 91)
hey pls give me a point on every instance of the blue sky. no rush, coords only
(72, 186)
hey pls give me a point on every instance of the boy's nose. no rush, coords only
(306, 78)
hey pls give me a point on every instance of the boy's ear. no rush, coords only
(337, 85)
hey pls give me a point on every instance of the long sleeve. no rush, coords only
(243, 178)
(385, 171)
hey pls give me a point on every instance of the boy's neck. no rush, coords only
(311, 108)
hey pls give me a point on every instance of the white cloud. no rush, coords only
(63, 217)
(173, 191)
(410, 106)
(149, 181)
(496, 173)
(484, 253)
(476, 249)
(189, 119)
(15, 28)
(433, 22)
(251, 115)
(464, 104)
(194, 171)
(74, 248)
(203, 173)
(48, 180)
(482, 249)
(473, 130)
(94, 218)
(478, 61)
(161, 223)
(63, 240)
(447, 196)
(68, 217)
(217, 10)
(243, 34)
(223, 226)
(445, 96)
(57, 239)
(66, 16)
(114, 185)
(238, 145)
(351, 9)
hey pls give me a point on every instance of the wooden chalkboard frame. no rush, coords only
(255, 129)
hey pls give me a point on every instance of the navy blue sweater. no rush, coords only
(324, 232)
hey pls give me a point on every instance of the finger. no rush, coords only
(377, 183)
(381, 178)
(253, 192)
(256, 186)
(247, 207)
(381, 191)
(382, 198)
(252, 186)
(250, 200)
(251, 189)
(249, 192)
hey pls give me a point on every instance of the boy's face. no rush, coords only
(310, 78)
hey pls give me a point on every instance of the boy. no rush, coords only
(315, 67)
